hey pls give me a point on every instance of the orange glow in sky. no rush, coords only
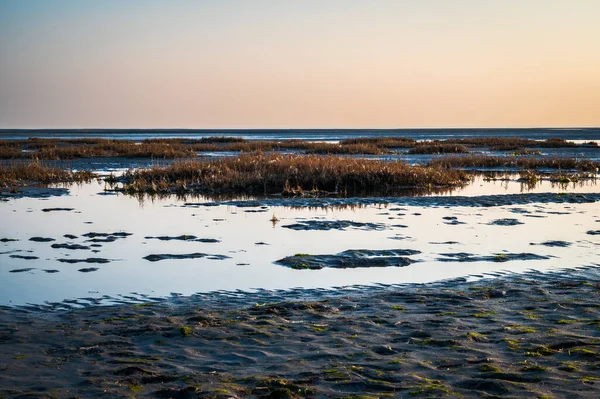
(299, 64)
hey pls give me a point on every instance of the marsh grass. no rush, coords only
(386, 142)
(478, 161)
(57, 149)
(16, 174)
(298, 174)
(438, 148)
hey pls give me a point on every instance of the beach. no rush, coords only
(533, 335)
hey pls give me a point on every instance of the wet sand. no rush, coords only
(529, 335)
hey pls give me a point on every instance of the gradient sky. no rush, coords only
(299, 64)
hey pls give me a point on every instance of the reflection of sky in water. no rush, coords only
(239, 231)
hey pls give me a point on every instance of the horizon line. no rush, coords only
(100, 129)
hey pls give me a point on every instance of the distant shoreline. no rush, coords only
(314, 134)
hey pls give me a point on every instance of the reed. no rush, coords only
(294, 174)
(438, 148)
(387, 142)
(475, 161)
(17, 173)
(57, 149)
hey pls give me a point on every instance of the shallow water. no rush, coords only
(235, 246)
(583, 134)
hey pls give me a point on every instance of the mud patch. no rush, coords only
(352, 258)
(51, 271)
(502, 257)
(183, 238)
(505, 222)
(41, 239)
(58, 209)
(86, 260)
(553, 243)
(195, 255)
(88, 269)
(28, 269)
(105, 237)
(335, 225)
(593, 232)
(26, 257)
(399, 237)
(452, 220)
(69, 246)
(8, 239)
(483, 201)
(70, 236)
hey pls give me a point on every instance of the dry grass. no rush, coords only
(19, 173)
(9, 150)
(510, 143)
(438, 148)
(329, 148)
(386, 142)
(514, 162)
(290, 174)
(56, 149)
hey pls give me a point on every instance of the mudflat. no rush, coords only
(529, 335)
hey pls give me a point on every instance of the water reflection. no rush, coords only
(242, 241)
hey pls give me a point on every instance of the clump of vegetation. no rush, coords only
(263, 173)
(480, 161)
(56, 149)
(186, 331)
(438, 148)
(20, 173)
(359, 148)
(386, 142)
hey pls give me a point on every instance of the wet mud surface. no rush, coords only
(25, 257)
(521, 337)
(351, 258)
(41, 239)
(554, 243)
(334, 225)
(433, 201)
(69, 246)
(505, 222)
(57, 209)
(191, 238)
(85, 260)
(500, 257)
(195, 255)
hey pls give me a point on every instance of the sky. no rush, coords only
(299, 64)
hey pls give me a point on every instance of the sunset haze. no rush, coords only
(301, 64)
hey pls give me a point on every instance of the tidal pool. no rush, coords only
(114, 247)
